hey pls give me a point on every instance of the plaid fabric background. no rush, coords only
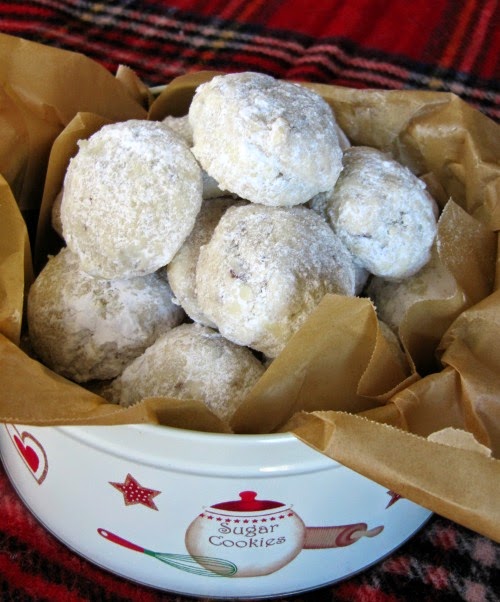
(450, 45)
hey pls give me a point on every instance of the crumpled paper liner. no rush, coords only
(459, 438)
(16, 273)
(337, 382)
(467, 250)
(337, 360)
(41, 89)
(457, 483)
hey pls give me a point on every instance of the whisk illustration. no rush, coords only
(212, 567)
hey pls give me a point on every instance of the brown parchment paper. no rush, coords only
(338, 384)
(41, 89)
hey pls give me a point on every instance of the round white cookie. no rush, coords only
(264, 271)
(182, 269)
(89, 328)
(192, 362)
(266, 140)
(383, 213)
(131, 196)
(393, 299)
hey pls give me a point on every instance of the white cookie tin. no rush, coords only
(205, 514)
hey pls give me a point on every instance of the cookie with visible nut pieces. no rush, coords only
(264, 271)
(383, 213)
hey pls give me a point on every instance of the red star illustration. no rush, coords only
(134, 493)
(394, 498)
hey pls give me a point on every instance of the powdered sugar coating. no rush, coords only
(264, 271)
(268, 141)
(131, 196)
(192, 362)
(182, 127)
(89, 328)
(383, 213)
(182, 269)
(393, 299)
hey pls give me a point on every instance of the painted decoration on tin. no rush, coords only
(250, 537)
(134, 493)
(31, 451)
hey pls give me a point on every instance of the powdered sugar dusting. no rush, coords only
(182, 127)
(394, 299)
(383, 214)
(131, 196)
(90, 328)
(268, 141)
(192, 362)
(265, 269)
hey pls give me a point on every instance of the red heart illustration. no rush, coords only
(28, 453)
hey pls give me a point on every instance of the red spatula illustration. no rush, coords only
(212, 567)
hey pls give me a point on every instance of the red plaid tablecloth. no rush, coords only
(450, 45)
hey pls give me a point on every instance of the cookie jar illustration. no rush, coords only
(262, 536)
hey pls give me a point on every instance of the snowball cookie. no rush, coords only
(182, 269)
(89, 328)
(393, 299)
(192, 362)
(264, 271)
(131, 196)
(383, 213)
(182, 127)
(268, 141)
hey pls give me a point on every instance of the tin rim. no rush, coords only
(194, 452)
